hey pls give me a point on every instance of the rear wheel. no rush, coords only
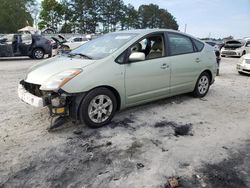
(202, 85)
(38, 53)
(98, 108)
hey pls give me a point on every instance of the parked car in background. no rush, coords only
(244, 64)
(120, 70)
(73, 43)
(235, 48)
(34, 46)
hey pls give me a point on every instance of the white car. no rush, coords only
(235, 48)
(74, 42)
(244, 64)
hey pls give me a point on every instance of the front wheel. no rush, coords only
(202, 85)
(98, 108)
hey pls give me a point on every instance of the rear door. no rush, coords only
(185, 61)
(148, 79)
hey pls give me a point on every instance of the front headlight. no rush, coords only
(58, 80)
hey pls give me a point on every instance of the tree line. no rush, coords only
(85, 16)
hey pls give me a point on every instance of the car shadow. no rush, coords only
(77, 127)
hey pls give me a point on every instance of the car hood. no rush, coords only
(40, 72)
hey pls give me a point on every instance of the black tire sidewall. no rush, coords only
(196, 91)
(83, 109)
(36, 49)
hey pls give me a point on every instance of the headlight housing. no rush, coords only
(58, 80)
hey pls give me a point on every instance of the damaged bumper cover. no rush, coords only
(29, 98)
(59, 103)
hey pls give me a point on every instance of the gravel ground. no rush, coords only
(202, 142)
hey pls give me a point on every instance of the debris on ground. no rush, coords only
(179, 129)
(183, 130)
(173, 182)
(77, 132)
(139, 165)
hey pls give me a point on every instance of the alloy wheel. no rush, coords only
(203, 85)
(100, 108)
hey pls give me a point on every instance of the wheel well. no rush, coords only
(115, 92)
(209, 73)
(37, 48)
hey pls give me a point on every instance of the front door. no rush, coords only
(148, 79)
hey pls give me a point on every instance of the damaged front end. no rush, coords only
(60, 104)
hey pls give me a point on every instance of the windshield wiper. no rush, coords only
(80, 54)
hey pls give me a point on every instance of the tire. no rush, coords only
(91, 104)
(38, 53)
(244, 53)
(202, 85)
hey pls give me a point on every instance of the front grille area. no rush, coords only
(32, 88)
(228, 53)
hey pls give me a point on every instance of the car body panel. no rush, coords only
(137, 82)
(147, 79)
(42, 71)
(244, 64)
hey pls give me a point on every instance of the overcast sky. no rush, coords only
(217, 18)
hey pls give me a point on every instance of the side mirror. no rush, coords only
(137, 56)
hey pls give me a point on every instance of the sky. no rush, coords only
(207, 18)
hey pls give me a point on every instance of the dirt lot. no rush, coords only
(204, 142)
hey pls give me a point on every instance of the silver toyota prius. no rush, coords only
(119, 70)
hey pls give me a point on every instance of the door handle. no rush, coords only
(197, 60)
(164, 66)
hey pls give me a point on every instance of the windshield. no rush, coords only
(104, 46)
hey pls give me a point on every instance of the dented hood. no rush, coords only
(40, 72)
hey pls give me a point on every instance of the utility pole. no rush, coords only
(185, 30)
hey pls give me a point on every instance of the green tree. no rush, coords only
(130, 18)
(51, 14)
(14, 15)
(111, 13)
(151, 16)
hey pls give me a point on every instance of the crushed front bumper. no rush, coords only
(29, 98)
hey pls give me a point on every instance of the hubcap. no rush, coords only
(38, 54)
(203, 85)
(100, 108)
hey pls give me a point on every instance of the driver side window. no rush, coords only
(151, 46)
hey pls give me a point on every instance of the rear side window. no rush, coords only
(199, 45)
(180, 44)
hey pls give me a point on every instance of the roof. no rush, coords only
(145, 31)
